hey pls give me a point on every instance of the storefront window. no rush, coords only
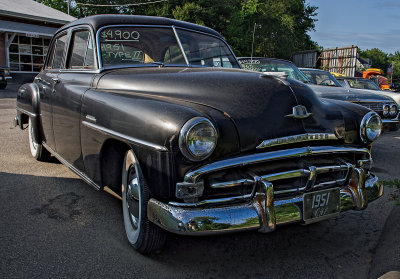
(28, 54)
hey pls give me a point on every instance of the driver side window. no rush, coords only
(57, 53)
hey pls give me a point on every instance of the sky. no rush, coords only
(365, 23)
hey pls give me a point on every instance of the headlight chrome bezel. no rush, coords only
(385, 110)
(364, 126)
(183, 138)
(393, 110)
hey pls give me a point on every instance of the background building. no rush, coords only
(26, 28)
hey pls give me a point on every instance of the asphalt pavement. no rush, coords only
(53, 225)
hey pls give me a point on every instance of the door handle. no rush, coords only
(56, 80)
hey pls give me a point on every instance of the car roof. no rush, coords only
(312, 69)
(99, 21)
(351, 78)
(265, 58)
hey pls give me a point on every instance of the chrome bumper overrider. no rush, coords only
(260, 212)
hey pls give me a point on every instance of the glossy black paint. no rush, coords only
(83, 113)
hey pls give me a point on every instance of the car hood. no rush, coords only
(349, 95)
(258, 106)
(394, 95)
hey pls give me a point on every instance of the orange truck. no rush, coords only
(377, 76)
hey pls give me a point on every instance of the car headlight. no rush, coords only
(386, 109)
(393, 110)
(198, 139)
(370, 127)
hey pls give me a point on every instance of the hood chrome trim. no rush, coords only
(296, 139)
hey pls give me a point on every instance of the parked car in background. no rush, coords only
(363, 85)
(332, 88)
(389, 111)
(4, 76)
(199, 145)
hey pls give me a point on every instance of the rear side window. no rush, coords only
(56, 58)
(81, 56)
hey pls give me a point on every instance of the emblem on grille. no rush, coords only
(299, 112)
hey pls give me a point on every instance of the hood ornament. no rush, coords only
(299, 112)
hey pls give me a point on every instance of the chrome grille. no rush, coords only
(375, 106)
(291, 172)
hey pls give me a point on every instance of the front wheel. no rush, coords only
(37, 150)
(143, 235)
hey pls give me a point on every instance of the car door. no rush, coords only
(73, 81)
(46, 82)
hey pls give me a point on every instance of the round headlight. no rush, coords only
(393, 110)
(198, 139)
(386, 109)
(371, 127)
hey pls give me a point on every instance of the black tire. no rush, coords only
(394, 127)
(3, 85)
(143, 235)
(37, 150)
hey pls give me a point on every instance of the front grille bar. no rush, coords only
(243, 161)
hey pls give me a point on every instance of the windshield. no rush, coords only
(156, 45)
(363, 84)
(321, 78)
(264, 65)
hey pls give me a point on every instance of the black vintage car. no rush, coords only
(4, 76)
(199, 146)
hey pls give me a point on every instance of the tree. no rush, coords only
(283, 24)
(378, 57)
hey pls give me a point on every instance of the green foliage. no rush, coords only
(378, 57)
(282, 25)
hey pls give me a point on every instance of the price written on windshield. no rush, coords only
(112, 35)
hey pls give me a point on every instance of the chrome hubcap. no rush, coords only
(132, 198)
(33, 143)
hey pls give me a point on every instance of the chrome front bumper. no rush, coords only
(260, 212)
(393, 121)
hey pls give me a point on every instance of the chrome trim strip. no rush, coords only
(123, 137)
(233, 183)
(91, 118)
(180, 45)
(296, 139)
(193, 175)
(212, 201)
(390, 121)
(285, 175)
(26, 112)
(71, 167)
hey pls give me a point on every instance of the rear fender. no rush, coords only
(28, 106)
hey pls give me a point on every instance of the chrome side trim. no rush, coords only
(71, 167)
(296, 139)
(193, 175)
(123, 137)
(26, 112)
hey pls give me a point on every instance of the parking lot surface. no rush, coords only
(53, 225)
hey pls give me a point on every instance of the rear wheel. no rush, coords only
(143, 235)
(37, 150)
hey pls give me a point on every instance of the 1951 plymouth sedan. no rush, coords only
(159, 111)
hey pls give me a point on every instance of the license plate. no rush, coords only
(320, 205)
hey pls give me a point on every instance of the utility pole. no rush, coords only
(252, 43)
(68, 7)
